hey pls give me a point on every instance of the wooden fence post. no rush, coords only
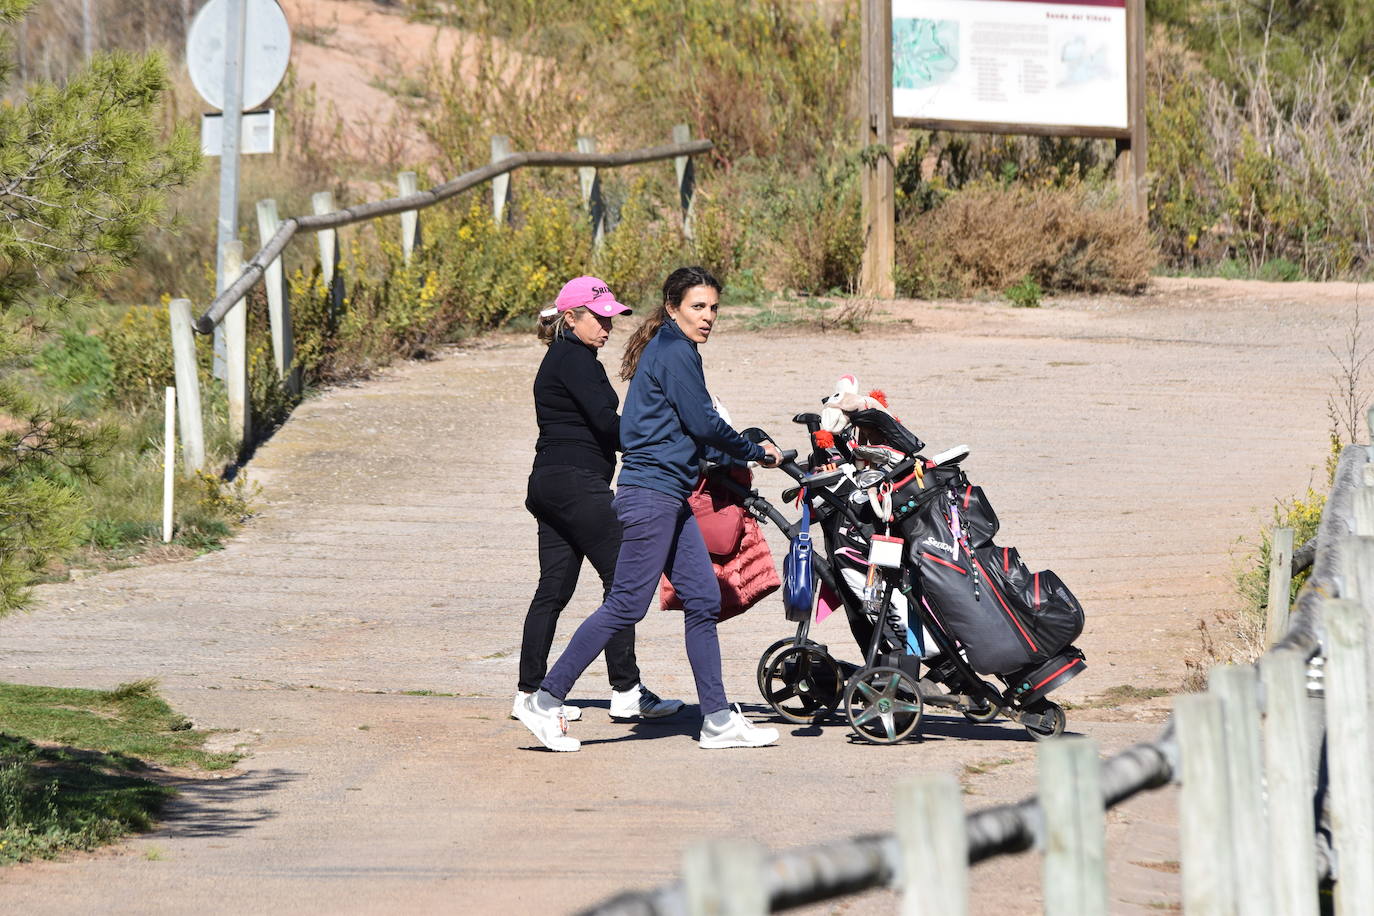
(686, 178)
(1205, 808)
(169, 457)
(188, 383)
(278, 306)
(323, 203)
(725, 878)
(500, 185)
(1357, 576)
(878, 183)
(236, 353)
(1280, 577)
(933, 839)
(408, 183)
(1132, 153)
(1349, 749)
(1075, 867)
(1289, 774)
(1238, 688)
(1364, 510)
(590, 181)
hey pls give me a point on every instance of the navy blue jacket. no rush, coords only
(668, 418)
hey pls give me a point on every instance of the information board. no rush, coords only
(1052, 63)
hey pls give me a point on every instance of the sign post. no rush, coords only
(1131, 156)
(236, 13)
(879, 200)
(235, 73)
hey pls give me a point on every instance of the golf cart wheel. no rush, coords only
(767, 657)
(883, 704)
(986, 713)
(1054, 723)
(802, 684)
(982, 716)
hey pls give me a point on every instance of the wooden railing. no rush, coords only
(1273, 761)
(229, 310)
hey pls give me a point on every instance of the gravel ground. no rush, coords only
(1128, 444)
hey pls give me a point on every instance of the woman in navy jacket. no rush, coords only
(569, 490)
(667, 423)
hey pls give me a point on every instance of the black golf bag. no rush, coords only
(1007, 619)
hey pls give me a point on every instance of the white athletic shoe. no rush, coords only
(736, 732)
(571, 713)
(550, 727)
(640, 701)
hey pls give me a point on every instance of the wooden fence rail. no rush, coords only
(1272, 760)
(266, 266)
(420, 200)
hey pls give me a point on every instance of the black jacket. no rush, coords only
(576, 409)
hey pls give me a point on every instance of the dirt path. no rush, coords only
(1126, 444)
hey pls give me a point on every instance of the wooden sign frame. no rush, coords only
(879, 213)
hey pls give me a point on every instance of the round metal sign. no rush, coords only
(266, 51)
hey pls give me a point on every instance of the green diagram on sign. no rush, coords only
(924, 52)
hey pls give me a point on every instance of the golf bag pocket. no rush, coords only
(971, 608)
(1055, 611)
(979, 520)
(1051, 613)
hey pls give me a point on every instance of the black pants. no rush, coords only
(573, 508)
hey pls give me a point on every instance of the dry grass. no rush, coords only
(988, 238)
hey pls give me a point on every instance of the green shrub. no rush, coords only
(641, 249)
(1281, 270)
(761, 78)
(1260, 167)
(79, 365)
(814, 229)
(140, 347)
(1025, 293)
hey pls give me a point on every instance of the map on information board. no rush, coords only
(1048, 62)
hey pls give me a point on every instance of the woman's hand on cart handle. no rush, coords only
(773, 456)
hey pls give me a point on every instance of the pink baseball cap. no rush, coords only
(589, 292)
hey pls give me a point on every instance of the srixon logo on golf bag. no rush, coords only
(1005, 616)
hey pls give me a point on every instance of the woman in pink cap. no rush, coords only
(569, 491)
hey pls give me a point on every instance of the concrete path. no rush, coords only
(1128, 445)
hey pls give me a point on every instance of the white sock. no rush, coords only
(720, 718)
(546, 702)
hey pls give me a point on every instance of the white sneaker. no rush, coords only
(737, 732)
(640, 701)
(550, 727)
(571, 713)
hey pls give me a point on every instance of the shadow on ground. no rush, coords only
(222, 807)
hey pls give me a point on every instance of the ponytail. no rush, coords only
(639, 339)
(556, 325)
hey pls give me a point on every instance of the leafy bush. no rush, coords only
(1258, 167)
(140, 346)
(1025, 293)
(989, 238)
(761, 78)
(79, 365)
(816, 230)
